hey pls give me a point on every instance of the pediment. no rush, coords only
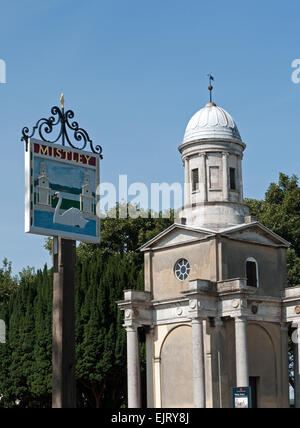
(257, 233)
(174, 235)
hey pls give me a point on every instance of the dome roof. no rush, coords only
(211, 122)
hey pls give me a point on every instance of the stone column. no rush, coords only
(187, 188)
(133, 368)
(241, 351)
(240, 178)
(284, 365)
(198, 363)
(220, 367)
(203, 177)
(149, 367)
(296, 338)
(157, 383)
(225, 176)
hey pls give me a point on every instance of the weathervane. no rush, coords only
(210, 88)
(46, 126)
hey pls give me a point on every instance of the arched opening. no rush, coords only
(177, 369)
(252, 272)
(263, 365)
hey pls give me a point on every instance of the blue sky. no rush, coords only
(135, 72)
(56, 174)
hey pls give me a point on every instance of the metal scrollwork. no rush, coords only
(44, 127)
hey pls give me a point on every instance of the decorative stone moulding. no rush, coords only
(179, 311)
(236, 304)
(128, 313)
(194, 304)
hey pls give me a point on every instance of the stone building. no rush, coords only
(215, 307)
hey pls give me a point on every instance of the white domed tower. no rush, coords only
(212, 153)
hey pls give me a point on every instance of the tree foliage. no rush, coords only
(103, 272)
(25, 359)
(7, 283)
(280, 212)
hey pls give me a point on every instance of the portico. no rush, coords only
(198, 307)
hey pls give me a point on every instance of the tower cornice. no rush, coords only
(212, 143)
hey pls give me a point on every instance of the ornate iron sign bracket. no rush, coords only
(61, 120)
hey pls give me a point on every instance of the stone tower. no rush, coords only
(43, 189)
(86, 196)
(212, 153)
(215, 307)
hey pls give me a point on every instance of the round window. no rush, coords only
(182, 269)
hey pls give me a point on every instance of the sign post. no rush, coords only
(60, 201)
(63, 348)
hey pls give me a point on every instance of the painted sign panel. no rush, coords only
(60, 194)
(241, 398)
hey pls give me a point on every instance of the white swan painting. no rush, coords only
(71, 217)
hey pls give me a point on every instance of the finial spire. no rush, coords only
(210, 88)
(62, 101)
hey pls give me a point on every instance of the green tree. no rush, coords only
(8, 283)
(103, 272)
(280, 212)
(25, 360)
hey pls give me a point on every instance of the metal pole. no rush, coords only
(63, 351)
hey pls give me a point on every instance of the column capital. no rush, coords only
(203, 154)
(196, 310)
(131, 318)
(241, 318)
(131, 327)
(198, 320)
(137, 308)
(225, 154)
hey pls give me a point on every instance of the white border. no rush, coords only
(68, 235)
(27, 189)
